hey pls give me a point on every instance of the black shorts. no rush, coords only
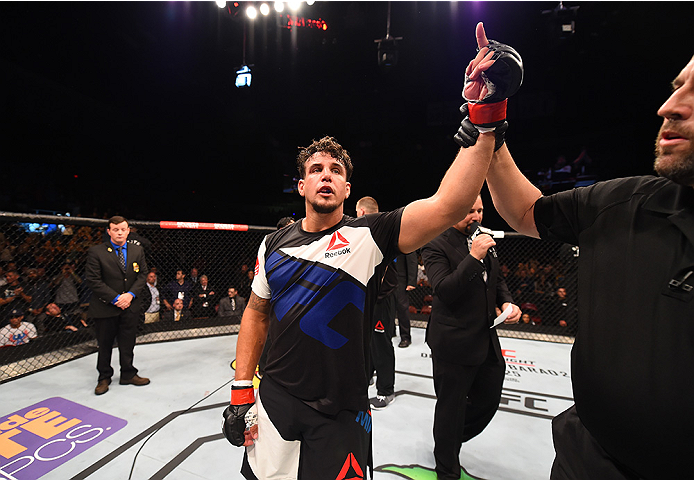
(297, 442)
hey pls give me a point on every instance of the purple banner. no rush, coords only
(39, 438)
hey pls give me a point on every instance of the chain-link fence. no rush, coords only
(540, 275)
(43, 257)
(48, 254)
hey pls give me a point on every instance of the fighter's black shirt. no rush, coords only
(322, 287)
(634, 352)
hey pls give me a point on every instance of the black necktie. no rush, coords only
(121, 257)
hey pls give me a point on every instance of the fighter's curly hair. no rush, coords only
(326, 145)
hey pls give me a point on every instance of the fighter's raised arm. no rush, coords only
(491, 77)
(513, 195)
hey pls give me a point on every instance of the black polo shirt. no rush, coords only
(633, 357)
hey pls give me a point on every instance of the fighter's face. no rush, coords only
(118, 232)
(674, 146)
(324, 186)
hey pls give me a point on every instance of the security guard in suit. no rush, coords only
(466, 355)
(116, 273)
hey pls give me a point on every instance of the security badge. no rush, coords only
(136, 267)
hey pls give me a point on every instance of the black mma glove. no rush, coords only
(502, 79)
(242, 399)
(468, 133)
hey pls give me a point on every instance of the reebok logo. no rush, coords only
(337, 241)
(338, 246)
(350, 470)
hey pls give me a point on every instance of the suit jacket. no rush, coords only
(225, 309)
(464, 304)
(407, 269)
(106, 279)
(168, 316)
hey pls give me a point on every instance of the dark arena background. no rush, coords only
(186, 118)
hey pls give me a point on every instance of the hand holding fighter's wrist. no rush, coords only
(468, 133)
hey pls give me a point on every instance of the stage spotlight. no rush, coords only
(562, 20)
(251, 12)
(388, 48)
(221, 4)
(279, 7)
(293, 6)
(264, 9)
(387, 52)
(310, 2)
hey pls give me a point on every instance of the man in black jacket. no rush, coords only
(116, 273)
(382, 351)
(407, 281)
(466, 355)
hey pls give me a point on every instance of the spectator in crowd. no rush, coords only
(65, 284)
(40, 291)
(13, 296)
(245, 287)
(178, 288)
(152, 312)
(561, 312)
(284, 221)
(204, 298)
(193, 277)
(177, 313)
(232, 306)
(241, 277)
(520, 286)
(545, 283)
(137, 239)
(3, 280)
(18, 332)
(116, 273)
(526, 319)
(6, 252)
(53, 320)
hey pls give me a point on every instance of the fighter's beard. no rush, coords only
(678, 167)
(324, 208)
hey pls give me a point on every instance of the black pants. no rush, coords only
(578, 455)
(403, 311)
(467, 399)
(382, 351)
(331, 445)
(124, 328)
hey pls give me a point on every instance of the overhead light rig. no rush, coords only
(288, 13)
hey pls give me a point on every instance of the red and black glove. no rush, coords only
(234, 425)
(498, 74)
